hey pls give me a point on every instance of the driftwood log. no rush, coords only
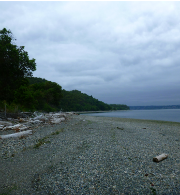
(22, 133)
(160, 157)
(57, 120)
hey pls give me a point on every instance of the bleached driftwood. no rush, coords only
(22, 133)
(5, 123)
(58, 115)
(17, 127)
(160, 157)
(62, 119)
(14, 127)
(23, 128)
(57, 120)
(70, 113)
(35, 121)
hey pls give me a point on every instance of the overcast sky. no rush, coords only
(118, 52)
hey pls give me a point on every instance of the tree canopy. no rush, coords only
(76, 101)
(47, 94)
(15, 66)
(66, 100)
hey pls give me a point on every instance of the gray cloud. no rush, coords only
(118, 52)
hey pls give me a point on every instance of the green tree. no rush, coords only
(76, 101)
(15, 66)
(47, 94)
(24, 97)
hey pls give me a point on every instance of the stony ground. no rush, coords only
(93, 155)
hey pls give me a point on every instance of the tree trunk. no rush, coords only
(5, 110)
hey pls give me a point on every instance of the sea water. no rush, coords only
(159, 114)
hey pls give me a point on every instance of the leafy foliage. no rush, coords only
(43, 96)
(15, 65)
(76, 101)
(47, 95)
(50, 98)
(25, 98)
(33, 80)
(63, 100)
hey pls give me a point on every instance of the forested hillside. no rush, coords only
(76, 101)
(73, 100)
(48, 96)
(119, 107)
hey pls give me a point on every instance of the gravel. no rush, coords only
(93, 155)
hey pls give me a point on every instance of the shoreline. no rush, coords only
(138, 120)
(157, 115)
(93, 155)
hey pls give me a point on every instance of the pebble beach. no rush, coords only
(93, 155)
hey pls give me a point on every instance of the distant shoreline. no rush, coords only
(132, 108)
(157, 115)
(154, 107)
(84, 112)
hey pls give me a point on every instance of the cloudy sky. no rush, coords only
(118, 52)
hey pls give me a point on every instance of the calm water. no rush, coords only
(161, 114)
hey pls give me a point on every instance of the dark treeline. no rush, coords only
(154, 107)
(76, 101)
(119, 107)
(69, 101)
(72, 100)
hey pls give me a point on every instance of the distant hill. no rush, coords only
(77, 101)
(119, 107)
(154, 107)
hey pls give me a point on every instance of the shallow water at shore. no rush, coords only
(159, 114)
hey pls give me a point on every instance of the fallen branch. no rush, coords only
(22, 133)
